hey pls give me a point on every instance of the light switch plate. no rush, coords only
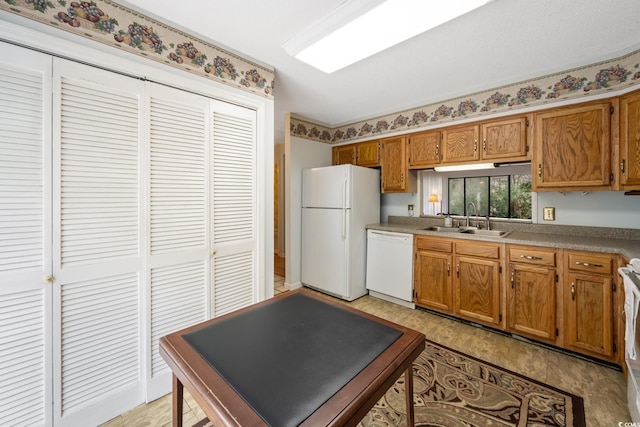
(549, 214)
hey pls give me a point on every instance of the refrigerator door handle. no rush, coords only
(344, 209)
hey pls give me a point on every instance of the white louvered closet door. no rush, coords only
(234, 206)
(25, 238)
(97, 243)
(178, 266)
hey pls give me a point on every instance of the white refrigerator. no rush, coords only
(337, 203)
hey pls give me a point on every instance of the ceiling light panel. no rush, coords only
(361, 28)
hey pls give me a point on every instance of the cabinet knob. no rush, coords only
(48, 279)
(484, 145)
(513, 279)
(458, 271)
(214, 253)
(539, 170)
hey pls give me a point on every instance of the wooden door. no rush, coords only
(630, 141)
(531, 296)
(394, 165)
(573, 147)
(433, 280)
(424, 149)
(344, 155)
(505, 139)
(477, 289)
(460, 144)
(589, 314)
(368, 153)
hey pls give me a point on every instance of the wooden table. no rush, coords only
(297, 359)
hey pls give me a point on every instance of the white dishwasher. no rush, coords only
(390, 266)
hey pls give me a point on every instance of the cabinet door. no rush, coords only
(368, 153)
(460, 144)
(630, 140)
(588, 314)
(505, 139)
(424, 149)
(433, 280)
(477, 290)
(573, 147)
(394, 165)
(532, 302)
(344, 155)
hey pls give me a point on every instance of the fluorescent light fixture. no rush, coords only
(358, 29)
(469, 167)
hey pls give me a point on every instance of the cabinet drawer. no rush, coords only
(533, 256)
(431, 244)
(590, 262)
(478, 249)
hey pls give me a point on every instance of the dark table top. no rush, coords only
(289, 358)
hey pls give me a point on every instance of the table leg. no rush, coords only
(177, 396)
(408, 389)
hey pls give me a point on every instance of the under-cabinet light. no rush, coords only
(358, 29)
(469, 167)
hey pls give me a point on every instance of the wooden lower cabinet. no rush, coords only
(477, 290)
(560, 297)
(477, 283)
(433, 284)
(531, 293)
(432, 273)
(589, 304)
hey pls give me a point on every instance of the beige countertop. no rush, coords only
(625, 242)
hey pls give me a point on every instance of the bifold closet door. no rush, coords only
(25, 238)
(178, 255)
(97, 244)
(234, 208)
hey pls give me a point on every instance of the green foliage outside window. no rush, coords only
(504, 196)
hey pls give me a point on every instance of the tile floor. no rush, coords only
(602, 388)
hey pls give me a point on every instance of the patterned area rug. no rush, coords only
(452, 389)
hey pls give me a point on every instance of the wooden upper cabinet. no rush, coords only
(505, 139)
(344, 155)
(629, 162)
(424, 149)
(573, 148)
(368, 153)
(396, 177)
(460, 144)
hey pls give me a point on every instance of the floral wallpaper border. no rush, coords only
(611, 75)
(115, 25)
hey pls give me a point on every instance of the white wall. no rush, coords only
(598, 209)
(301, 154)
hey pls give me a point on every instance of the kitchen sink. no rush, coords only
(490, 233)
(443, 229)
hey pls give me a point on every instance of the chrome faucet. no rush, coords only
(475, 210)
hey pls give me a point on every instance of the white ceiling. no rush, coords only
(503, 42)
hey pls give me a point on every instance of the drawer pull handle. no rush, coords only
(532, 258)
(448, 270)
(513, 279)
(573, 291)
(458, 271)
(586, 264)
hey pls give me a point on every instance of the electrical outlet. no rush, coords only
(549, 214)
